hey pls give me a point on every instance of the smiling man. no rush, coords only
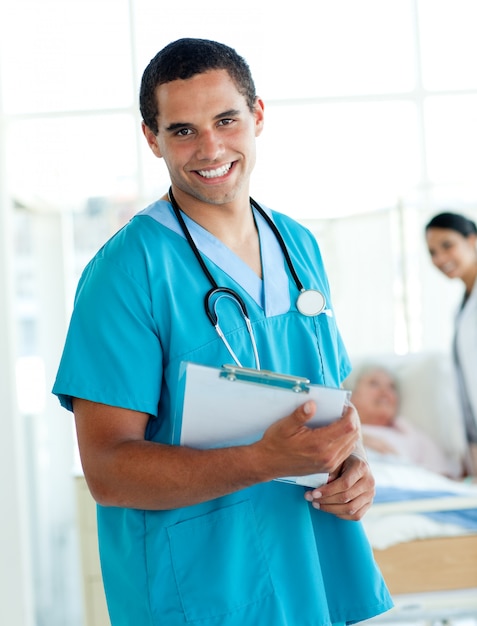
(208, 536)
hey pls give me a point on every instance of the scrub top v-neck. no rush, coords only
(271, 293)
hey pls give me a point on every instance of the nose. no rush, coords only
(209, 146)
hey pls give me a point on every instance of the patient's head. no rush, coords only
(375, 395)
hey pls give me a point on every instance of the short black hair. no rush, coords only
(185, 58)
(453, 221)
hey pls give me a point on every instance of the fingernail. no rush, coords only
(308, 408)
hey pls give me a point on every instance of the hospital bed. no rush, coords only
(424, 540)
(422, 526)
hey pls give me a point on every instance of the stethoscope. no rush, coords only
(310, 302)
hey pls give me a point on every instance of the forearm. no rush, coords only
(148, 475)
(123, 469)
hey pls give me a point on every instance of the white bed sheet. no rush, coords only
(392, 522)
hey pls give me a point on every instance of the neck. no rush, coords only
(233, 225)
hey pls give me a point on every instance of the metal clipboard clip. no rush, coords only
(265, 377)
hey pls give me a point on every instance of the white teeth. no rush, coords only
(221, 171)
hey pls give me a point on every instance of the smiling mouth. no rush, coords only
(217, 173)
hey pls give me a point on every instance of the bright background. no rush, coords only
(371, 127)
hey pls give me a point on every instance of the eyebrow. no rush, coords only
(177, 125)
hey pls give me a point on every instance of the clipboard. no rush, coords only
(232, 405)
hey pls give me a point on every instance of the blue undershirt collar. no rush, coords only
(272, 293)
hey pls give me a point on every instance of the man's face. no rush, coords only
(206, 137)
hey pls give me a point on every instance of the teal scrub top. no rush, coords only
(261, 555)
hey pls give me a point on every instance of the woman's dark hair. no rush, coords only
(453, 221)
(185, 58)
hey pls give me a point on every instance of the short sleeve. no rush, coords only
(112, 353)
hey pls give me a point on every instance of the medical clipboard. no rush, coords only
(232, 405)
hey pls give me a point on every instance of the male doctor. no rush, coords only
(208, 537)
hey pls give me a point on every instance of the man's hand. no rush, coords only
(291, 448)
(349, 492)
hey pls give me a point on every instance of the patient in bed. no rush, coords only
(375, 394)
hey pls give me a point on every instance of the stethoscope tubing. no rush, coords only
(215, 290)
(281, 241)
(266, 217)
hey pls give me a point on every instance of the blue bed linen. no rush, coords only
(466, 518)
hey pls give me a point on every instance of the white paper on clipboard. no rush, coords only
(232, 406)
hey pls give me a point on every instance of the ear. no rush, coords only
(259, 116)
(151, 140)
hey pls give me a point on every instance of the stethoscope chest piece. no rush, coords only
(310, 302)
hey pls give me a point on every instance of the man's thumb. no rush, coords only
(306, 411)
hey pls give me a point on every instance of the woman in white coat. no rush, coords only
(452, 243)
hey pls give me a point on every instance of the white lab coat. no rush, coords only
(466, 348)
